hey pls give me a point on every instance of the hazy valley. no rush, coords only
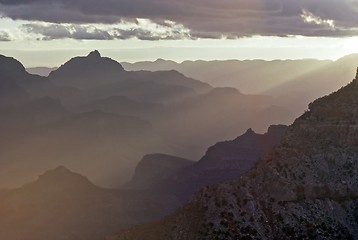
(98, 119)
(143, 140)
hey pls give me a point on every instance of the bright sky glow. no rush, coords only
(34, 51)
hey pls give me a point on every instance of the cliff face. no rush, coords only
(163, 183)
(307, 188)
(224, 161)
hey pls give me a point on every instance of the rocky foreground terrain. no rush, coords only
(307, 188)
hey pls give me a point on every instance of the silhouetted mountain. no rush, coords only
(293, 83)
(59, 205)
(87, 72)
(11, 68)
(61, 179)
(18, 86)
(103, 77)
(154, 168)
(11, 91)
(305, 189)
(250, 76)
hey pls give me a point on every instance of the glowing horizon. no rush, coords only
(35, 31)
(53, 53)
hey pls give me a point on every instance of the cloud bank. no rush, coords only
(4, 36)
(203, 18)
(142, 29)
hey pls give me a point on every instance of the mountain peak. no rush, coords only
(94, 54)
(88, 72)
(64, 178)
(58, 172)
(250, 131)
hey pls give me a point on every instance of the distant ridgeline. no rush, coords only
(98, 119)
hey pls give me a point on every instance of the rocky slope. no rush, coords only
(307, 188)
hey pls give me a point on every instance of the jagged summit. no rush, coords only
(94, 54)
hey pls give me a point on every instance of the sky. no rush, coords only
(49, 32)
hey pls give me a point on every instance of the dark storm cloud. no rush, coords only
(4, 36)
(205, 18)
